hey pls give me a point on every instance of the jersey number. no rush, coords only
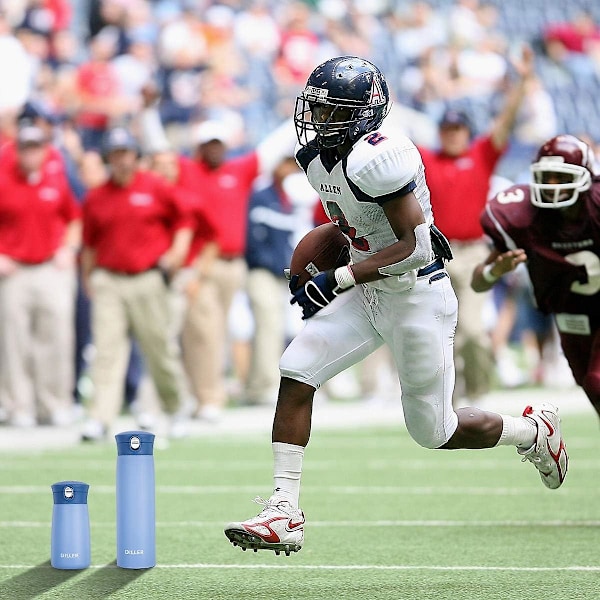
(374, 138)
(510, 197)
(338, 217)
(591, 262)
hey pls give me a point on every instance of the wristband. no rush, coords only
(344, 277)
(488, 275)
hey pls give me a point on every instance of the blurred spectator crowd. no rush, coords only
(244, 61)
(163, 69)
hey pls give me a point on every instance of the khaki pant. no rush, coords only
(37, 341)
(140, 305)
(267, 294)
(205, 335)
(474, 361)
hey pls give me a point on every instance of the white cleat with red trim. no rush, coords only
(278, 527)
(548, 453)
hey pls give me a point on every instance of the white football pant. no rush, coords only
(418, 324)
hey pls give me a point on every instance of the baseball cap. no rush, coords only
(209, 131)
(32, 110)
(119, 138)
(30, 135)
(455, 117)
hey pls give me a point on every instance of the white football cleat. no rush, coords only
(278, 527)
(548, 453)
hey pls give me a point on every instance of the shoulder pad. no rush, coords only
(510, 211)
(380, 165)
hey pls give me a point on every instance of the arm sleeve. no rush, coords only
(489, 224)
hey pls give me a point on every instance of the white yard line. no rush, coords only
(353, 524)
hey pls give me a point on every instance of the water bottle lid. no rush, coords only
(134, 442)
(70, 492)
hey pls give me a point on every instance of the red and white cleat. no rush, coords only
(548, 453)
(278, 527)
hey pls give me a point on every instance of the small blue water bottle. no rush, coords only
(70, 539)
(136, 521)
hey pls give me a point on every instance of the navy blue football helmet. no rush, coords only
(344, 98)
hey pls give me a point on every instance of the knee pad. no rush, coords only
(426, 440)
(426, 422)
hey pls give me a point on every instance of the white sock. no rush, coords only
(287, 470)
(517, 431)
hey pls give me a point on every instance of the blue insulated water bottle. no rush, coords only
(136, 525)
(70, 539)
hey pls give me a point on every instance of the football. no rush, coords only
(324, 247)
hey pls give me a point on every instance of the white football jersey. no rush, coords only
(414, 316)
(383, 164)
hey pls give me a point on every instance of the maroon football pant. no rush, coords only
(583, 355)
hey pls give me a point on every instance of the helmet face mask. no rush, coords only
(330, 122)
(344, 98)
(563, 169)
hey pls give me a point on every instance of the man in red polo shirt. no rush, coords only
(458, 176)
(199, 264)
(39, 235)
(226, 184)
(203, 247)
(136, 234)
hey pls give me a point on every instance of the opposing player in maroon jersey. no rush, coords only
(553, 225)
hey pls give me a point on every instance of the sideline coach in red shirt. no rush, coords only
(458, 176)
(225, 183)
(40, 233)
(136, 235)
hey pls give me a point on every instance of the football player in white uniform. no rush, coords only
(395, 291)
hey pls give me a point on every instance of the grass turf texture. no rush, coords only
(386, 519)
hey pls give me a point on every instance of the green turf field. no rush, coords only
(386, 519)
